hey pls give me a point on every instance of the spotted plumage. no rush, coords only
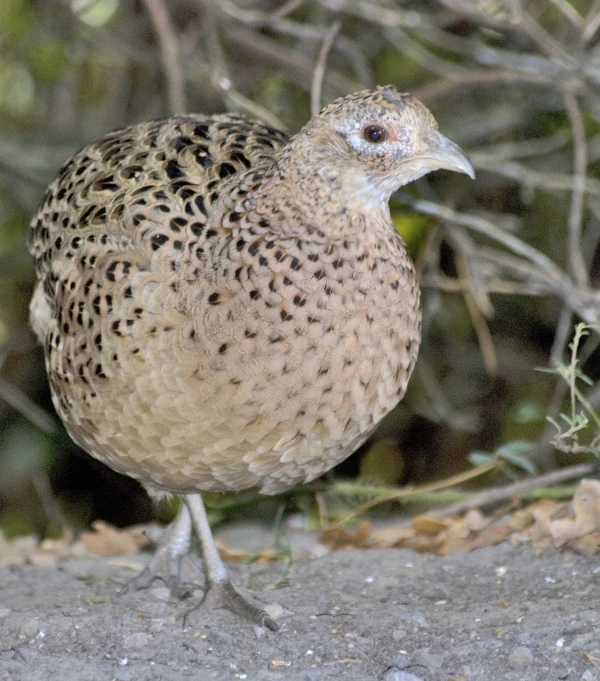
(223, 307)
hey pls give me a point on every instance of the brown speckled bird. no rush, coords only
(223, 307)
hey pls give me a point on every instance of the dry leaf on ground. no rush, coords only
(586, 506)
(106, 540)
(574, 526)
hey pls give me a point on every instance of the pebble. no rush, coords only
(421, 620)
(226, 638)
(138, 640)
(582, 641)
(493, 643)
(410, 622)
(29, 628)
(399, 634)
(424, 658)
(161, 593)
(520, 657)
(156, 626)
(438, 592)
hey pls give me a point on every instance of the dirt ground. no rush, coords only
(357, 615)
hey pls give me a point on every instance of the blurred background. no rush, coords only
(509, 264)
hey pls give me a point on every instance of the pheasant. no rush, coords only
(223, 307)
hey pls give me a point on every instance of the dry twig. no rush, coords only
(319, 71)
(170, 54)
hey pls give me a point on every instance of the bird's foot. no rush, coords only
(171, 561)
(180, 574)
(223, 594)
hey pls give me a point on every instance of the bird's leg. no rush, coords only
(219, 587)
(166, 563)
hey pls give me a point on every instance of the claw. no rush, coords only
(171, 559)
(223, 594)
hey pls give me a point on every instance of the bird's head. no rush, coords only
(375, 141)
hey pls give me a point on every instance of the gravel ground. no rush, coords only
(393, 615)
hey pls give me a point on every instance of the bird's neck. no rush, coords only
(305, 192)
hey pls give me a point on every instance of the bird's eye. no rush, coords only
(375, 134)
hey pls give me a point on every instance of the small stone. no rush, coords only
(493, 643)
(588, 676)
(427, 659)
(520, 657)
(225, 637)
(411, 622)
(137, 640)
(29, 628)
(161, 593)
(420, 619)
(400, 661)
(439, 592)
(583, 641)
(524, 639)
(156, 626)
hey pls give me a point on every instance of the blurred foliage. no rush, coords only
(577, 431)
(509, 263)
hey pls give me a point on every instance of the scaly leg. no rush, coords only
(166, 563)
(219, 587)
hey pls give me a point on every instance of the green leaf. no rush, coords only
(479, 458)
(511, 452)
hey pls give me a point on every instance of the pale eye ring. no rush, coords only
(375, 134)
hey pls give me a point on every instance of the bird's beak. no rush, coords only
(445, 154)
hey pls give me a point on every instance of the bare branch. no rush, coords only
(487, 77)
(297, 66)
(550, 45)
(18, 400)
(530, 177)
(569, 12)
(562, 334)
(489, 229)
(531, 266)
(576, 262)
(591, 27)
(421, 55)
(476, 302)
(288, 7)
(169, 52)
(317, 81)
(516, 489)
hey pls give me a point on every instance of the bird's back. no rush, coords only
(102, 197)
